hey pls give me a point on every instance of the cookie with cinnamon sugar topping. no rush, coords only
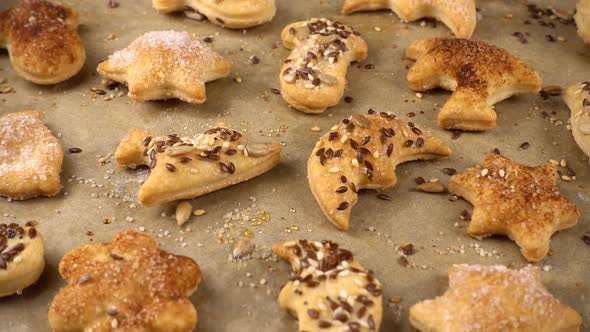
(42, 41)
(331, 290)
(128, 284)
(479, 74)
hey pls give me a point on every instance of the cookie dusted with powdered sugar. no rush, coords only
(165, 65)
(331, 291)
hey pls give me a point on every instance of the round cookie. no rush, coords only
(21, 257)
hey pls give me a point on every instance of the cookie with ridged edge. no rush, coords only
(479, 74)
(362, 152)
(521, 202)
(331, 291)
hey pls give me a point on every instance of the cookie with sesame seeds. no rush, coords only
(459, 15)
(165, 65)
(515, 200)
(21, 257)
(331, 291)
(42, 41)
(233, 14)
(314, 75)
(189, 167)
(128, 284)
(577, 98)
(30, 157)
(362, 152)
(479, 74)
(494, 298)
(582, 19)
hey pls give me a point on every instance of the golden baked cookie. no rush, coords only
(577, 97)
(165, 65)
(494, 299)
(331, 291)
(30, 157)
(21, 257)
(518, 201)
(314, 75)
(184, 167)
(479, 74)
(128, 284)
(42, 41)
(362, 152)
(234, 14)
(582, 19)
(459, 15)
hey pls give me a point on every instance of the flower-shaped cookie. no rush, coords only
(459, 15)
(42, 41)
(128, 284)
(480, 75)
(331, 291)
(519, 201)
(493, 299)
(362, 152)
(164, 65)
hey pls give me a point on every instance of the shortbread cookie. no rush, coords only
(30, 157)
(165, 65)
(480, 75)
(519, 201)
(314, 75)
(577, 98)
(184, 167)
(21, 257)
(362, 152)
(493, 299)
(331, 291)
(234, 14)
(459, 15)
(42, 41)
(128, 284)
(582, 18)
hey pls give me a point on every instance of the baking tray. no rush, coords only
(99, 200)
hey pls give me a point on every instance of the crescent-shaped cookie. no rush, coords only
(184, 167)
(42, 41)
(234, 14)
(362, 152)
(459, 15)
(30, 157)
(582, 18)
(21, 257)
(164, 65)
(331, 291)
(128, 284)
(313, 77)
(518, 201)
(577, 97)
(493, 299)
(479, 74)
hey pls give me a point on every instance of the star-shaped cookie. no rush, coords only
(331, 291)
(494, 299)
(30, 157)
(577, 97)
(480, 75)
(582, 18)
(234, 14)
(459, 15)
(188, 167)
(362, 152)
(313, 77)
(519, 201)
(128, 284)
(42, 41)
(164, 65)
